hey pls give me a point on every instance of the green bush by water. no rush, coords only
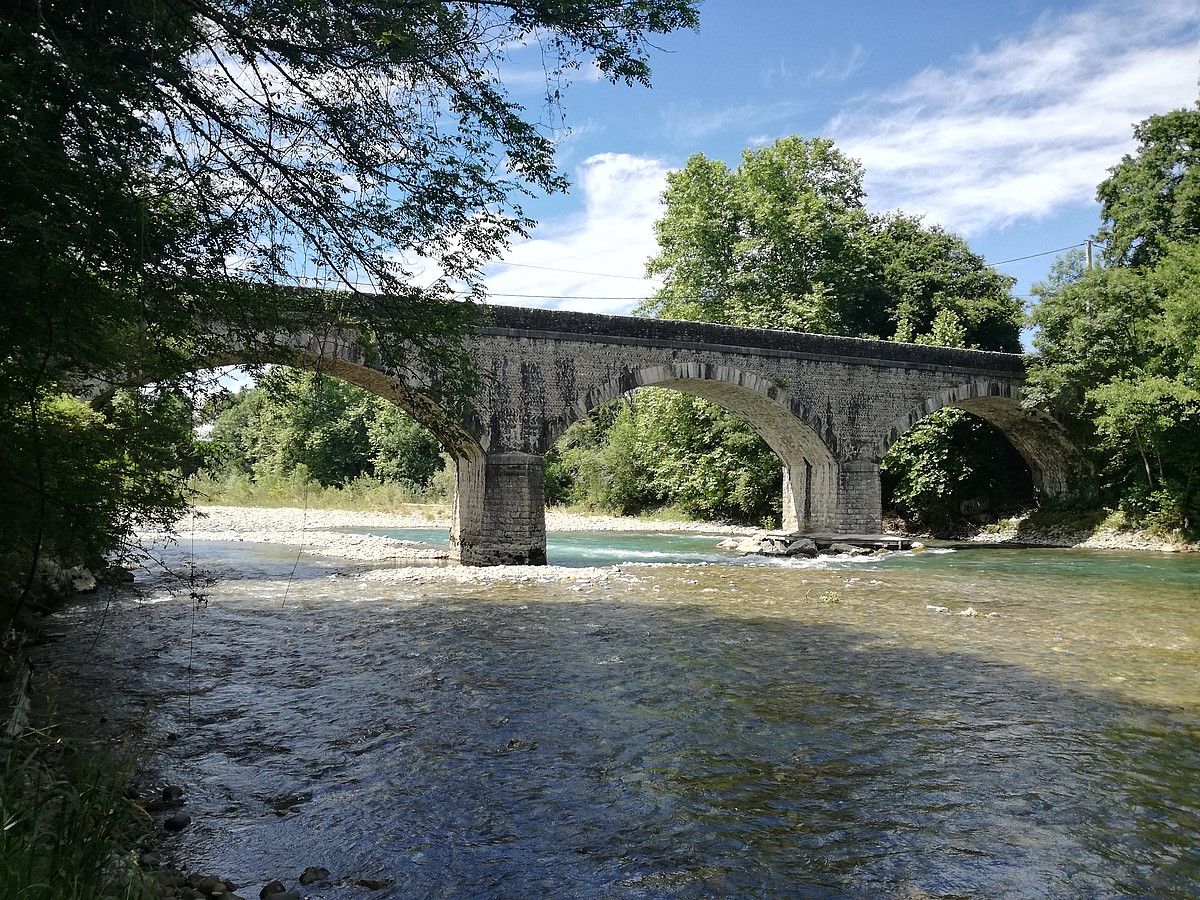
(66, 824)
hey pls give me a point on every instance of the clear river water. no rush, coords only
(688, 726)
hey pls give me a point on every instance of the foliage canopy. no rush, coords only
(170, 164)
(1151, 198)
(785, 241)
(336, 431)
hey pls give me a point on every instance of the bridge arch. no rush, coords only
(480, 478)
(1052, 457)
(804, 443)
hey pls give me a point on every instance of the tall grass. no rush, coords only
(66, 824)
(297, 489)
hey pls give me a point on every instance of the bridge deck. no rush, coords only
(704, 335)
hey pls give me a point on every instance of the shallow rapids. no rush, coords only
(982, 723)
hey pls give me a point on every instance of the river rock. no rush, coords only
(211, 885)
(313, 874)
(177, 822)
(841, 547)
(751, 544)
(52, 576)
(773, 546)
(272, 888)
(730, 543)
(801, 547)
(172, 878)
(82, 581)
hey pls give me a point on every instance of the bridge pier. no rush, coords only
(859, 497)
(809, 496)
(499, 511)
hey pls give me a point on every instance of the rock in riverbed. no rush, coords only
(843, 549)
(784, 543)
(802, 547)
(313, 874)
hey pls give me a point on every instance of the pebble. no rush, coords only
(313, 874)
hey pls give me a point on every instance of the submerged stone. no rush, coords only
(313, 874)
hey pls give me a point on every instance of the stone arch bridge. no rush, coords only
(828, 406)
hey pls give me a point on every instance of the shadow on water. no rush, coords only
(514, 744)
(231, 559)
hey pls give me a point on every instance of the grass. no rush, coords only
(361, 494)
(366, 495)
(66, 823)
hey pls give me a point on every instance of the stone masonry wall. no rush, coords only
(829, 407)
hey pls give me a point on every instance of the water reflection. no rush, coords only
(705, 730)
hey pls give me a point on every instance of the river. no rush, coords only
(689, 725)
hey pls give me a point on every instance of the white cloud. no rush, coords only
(1022, 129)
(840, 68)
(613, 235)
(693, 122)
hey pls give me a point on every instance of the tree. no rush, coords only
(785, 241)
(335, 431)
(1177, 280)
(1119, 363)
(951, 469)
(936, 290)
(170, 164)
(1152, 198)
(1092, 326)
(776, 243)
(1150, 426)
(663, 447)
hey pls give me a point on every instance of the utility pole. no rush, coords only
(1088, 242)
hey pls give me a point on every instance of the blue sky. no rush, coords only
(996, 120)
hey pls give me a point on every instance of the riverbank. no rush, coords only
(249, 519)
(1083, 529)
(1020, 532)
(319, 530)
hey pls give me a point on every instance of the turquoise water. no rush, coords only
(983, 723)
(595, 548)
(600, 548)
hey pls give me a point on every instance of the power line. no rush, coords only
(561, 297)
(637, 278)
(1033, 255)
(571, 271)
